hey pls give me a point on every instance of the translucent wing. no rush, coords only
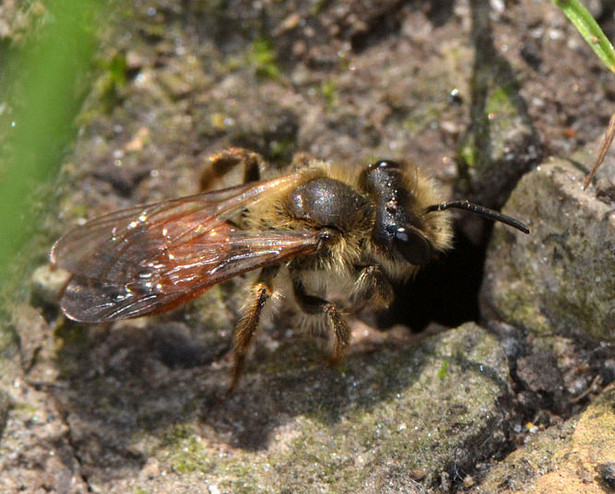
(152, 258)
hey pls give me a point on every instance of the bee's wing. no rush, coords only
(154, 257)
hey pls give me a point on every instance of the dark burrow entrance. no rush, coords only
(445, 292)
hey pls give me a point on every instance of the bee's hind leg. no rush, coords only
(243, 336)
(223, 168)
(311, 304)
(223, 163)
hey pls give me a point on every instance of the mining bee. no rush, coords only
(321, 226)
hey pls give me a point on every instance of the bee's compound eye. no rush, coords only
(413, 245)
(385, 164)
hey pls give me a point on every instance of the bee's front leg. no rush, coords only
(372, 288)
(244, 332)
(314, 305)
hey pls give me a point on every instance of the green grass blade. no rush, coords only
(589, 29)
(42, 86)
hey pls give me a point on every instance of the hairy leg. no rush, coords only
(243, 336)
(372, 288)
(222, 163)
(311, 304)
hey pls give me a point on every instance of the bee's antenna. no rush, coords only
(483, 211)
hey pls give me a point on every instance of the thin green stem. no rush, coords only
(589, 29)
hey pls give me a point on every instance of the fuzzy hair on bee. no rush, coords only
(352, 217)
(322, 227)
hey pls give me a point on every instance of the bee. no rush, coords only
(320, 225)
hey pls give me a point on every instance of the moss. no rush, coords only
(178, 433)
(330, 93)
(412, 427)
(499, 102)
(443, 371)
(186, 453)
(261, 56)
(468, 153)
(516, 303)
(411, 407)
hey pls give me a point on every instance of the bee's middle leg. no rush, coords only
(311, 304)
(243, 336)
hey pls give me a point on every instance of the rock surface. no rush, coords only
(561, 278)
(394, 420)
(572, 457)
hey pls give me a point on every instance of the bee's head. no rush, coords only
(401, 232)
(408, 229)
